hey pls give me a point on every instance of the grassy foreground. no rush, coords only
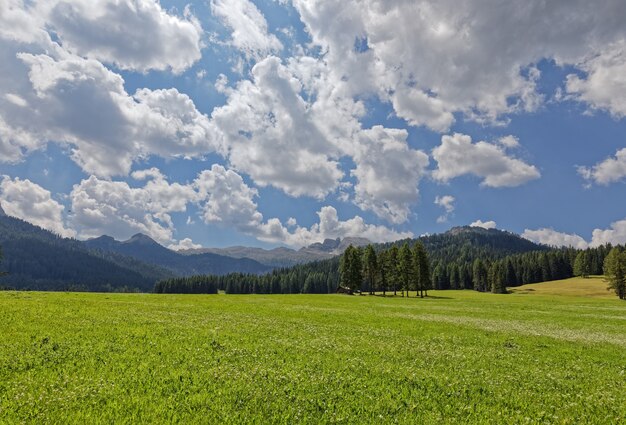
(458, 357)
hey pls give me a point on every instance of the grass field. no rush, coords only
(593, 286)
(456, 357)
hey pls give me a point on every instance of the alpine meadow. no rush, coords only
(312, 212)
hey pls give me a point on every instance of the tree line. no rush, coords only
(320, 277)
(408, 267)
(394, 269)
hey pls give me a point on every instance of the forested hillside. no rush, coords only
(35, 258)
(462, 258)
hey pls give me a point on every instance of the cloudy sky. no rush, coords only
(264, 123)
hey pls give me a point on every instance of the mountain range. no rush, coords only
(286, 257)
(38, 259)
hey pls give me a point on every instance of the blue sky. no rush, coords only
(266, 123)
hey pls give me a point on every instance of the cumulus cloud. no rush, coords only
(115, 208)
(433, 59)
(509, 141)
(604, 85)
(31, 202)
(388, 173)
(120, 210)
(551, 237)
(249, 27)
(53, 94)
(457, 156)
(484, 224)
(183, 244)
(273, 137)
(447, 203)
(608, 171)
(226, 199)
(80, 102)
(616, 234)
(132, 34)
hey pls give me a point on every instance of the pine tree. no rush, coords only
(370, 267)
(405, 268)
(1, 272)
(615, 271)
(350, 269)
(496, 278)
(424, 281)
(394, 277)
(383, 270)
(582, 264)
(479, 275)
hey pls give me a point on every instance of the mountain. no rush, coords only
(38, 259)
(465, 244)
(285, 257)
(276, 257)
(145, 249)
(335, 246)
(506, 259)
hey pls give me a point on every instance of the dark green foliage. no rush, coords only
(351, 269)
(1, 272)
(421, 264)
(320, 277)
(479, 275)
(582, 264)
(37, 259)
(615, 271)
(370, 268)
(188, 285)
(406, 270)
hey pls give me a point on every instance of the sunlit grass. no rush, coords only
(593, 286)
(457, 357)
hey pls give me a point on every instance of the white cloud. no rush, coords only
(447, 203)
(80, 102)
(55, 95)
(273, 137)
(457, 156)
(551, 237)
(509, 141)
(608, 171)
(616, 234)
(132, 34)
(484, 224)
(119, 210)
(604, 85)
(249, 27)
(388, 173)
(433, 59)
(228, 200)
(31, 202)
(184, 244)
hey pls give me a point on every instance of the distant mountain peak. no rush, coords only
(140, 238)
(102, 238)
(335, 246)
(2, 213)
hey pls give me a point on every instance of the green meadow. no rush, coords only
(454, 357)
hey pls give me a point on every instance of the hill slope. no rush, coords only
(594, 286)
(465, 244)
(38, 259)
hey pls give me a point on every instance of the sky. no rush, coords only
(284, 122)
